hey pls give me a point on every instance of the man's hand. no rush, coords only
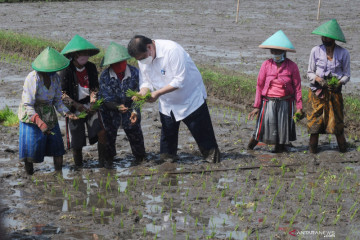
(133, 118)
(122, 108)
(142, 92)
(154, 96)
(253, 113)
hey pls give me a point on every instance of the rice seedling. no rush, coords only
(144, 232)
(93, 210)
(8, 118)
(139, 99)
(354, 213)
(121, 223)
(298, 116)
(294, 216)
(353, 206)
(312, 195)
(174, 229)
(334, 81)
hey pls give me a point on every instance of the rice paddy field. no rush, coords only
(253, 194)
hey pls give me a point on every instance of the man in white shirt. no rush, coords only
(168, 71)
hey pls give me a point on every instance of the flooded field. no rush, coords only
(249, 195)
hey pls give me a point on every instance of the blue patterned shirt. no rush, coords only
(114, 90)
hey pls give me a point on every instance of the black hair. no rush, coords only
(138, 45)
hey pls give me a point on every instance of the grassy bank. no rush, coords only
(233, 87)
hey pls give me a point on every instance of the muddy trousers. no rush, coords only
(200, 126)
(135, 137)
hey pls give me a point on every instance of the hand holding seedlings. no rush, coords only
(71, 116)
(298, 115)
(139, 98)
(94, 107)
(334, 84)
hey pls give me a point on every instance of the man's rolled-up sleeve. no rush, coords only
(177, 62)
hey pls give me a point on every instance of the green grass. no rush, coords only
(25, 46)
(8, 118)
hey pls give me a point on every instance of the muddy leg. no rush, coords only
(252, 143)
(29, 167)
(341, 142)
(313, 143)
(77, 155)
(102, 151)
(58, 161)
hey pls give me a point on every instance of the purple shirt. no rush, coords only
(320, 66)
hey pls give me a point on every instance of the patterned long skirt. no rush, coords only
(34, 145)
(275, 124)
(326, 114)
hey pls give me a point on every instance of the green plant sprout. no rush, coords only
(139, 99)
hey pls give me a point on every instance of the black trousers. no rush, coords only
(200, 126)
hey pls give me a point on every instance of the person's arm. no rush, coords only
(93, 77)
(29, 92)
(297, 86)
(105, 92)
(260, 84)
(58, 103)
(156, 94)
(259, 87)
(346, 68)
(311, 72)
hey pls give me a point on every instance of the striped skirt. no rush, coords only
(275, 124)
(34, 145)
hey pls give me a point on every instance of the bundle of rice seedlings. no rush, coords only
(8, 118)
(334, 81)
(140, 100)
(298, 116)
(94, 107)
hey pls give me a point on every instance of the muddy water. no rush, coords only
(206, 29)
(249, 194)
(255, 194)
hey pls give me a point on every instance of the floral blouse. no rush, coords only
(37, 98)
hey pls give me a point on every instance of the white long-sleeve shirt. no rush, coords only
(173, 66)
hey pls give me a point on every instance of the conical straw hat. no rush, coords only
(78, 43)
(330, 29)
(115, 53)
(278, 41)
(50, 60)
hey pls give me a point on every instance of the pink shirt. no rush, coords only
(288, 74)
(276, 89)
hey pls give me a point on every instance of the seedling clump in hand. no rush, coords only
(140, 100)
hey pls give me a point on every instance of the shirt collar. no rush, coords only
(159, 50)
(113, 74)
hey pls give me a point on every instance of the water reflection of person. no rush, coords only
(80, 84)
(116, 111)
(3, 234)
(167, 68)
(326, 61)
(278, 89)
(40, 134)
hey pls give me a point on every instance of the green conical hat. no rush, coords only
(330, 29)
(115, 53)
(78, 43)
(278, 41)
(50, 60)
